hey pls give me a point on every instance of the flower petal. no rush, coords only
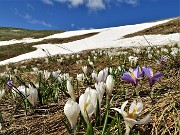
(148, 72)
(130, 122)
(157, 76)
(145, 120)
(132, 107)
(139, 106)
(136, 71)
(127, 77)
(122, 109)
(118, 110)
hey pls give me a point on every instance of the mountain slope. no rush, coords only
(7, 33)
(107, 38)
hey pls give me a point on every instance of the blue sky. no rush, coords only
(83, 14)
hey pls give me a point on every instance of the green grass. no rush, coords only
(14, 50)
(7, 33)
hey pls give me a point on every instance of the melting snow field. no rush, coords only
(107, 38)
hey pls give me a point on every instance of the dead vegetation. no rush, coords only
(49, 118)
(173, 26)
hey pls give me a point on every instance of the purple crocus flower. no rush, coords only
(149, 74)
(10, 84)
(133, 76)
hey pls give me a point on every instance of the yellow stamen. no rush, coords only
(133, 76)
(85, 106)
(131, 115)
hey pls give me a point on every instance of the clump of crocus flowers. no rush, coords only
(132, 77)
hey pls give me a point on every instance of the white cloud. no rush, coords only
(96, 4)
(72, 25)
(76, 3)
(72, 3)
(48, 2)
(31, 20)
(30, 6)
(132, 2)
(92, 4)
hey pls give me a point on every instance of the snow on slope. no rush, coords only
(107, 38)
(80, 32)
(59, 35)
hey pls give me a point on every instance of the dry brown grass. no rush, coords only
(48, 119)
(170, 27)
(14, 50)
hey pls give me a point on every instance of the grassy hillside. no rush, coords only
(13, 50)
(48, 117)
(7, 33)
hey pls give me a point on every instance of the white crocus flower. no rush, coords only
(77, 56)
(106, 73)
(35, 69)
(91, 63)
(95, 58)
(70, 90)
(1, 93)
(84, 68)
(0, 126)
(72, 110)
(119, 68)
(174, 51)
(100, 87)
(93, 96)
(110, 70)
(86, 106)
(55, 74)
(46, 74)
(101, 76)
(109, 85)
(80, 77)
(94, 75)
(164, 50)
(31, 93)
(132, 59)
(131, 116)
(150, 56)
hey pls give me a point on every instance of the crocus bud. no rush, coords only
(109, 85)
(101, 76)
(10, 84)
(84, 69)
(80, 77)
(55, 74)
(33, 95)
(70, 90)
(100, 87)
(72, 110)
(46, 74)
(1, 93)
(94, 75)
